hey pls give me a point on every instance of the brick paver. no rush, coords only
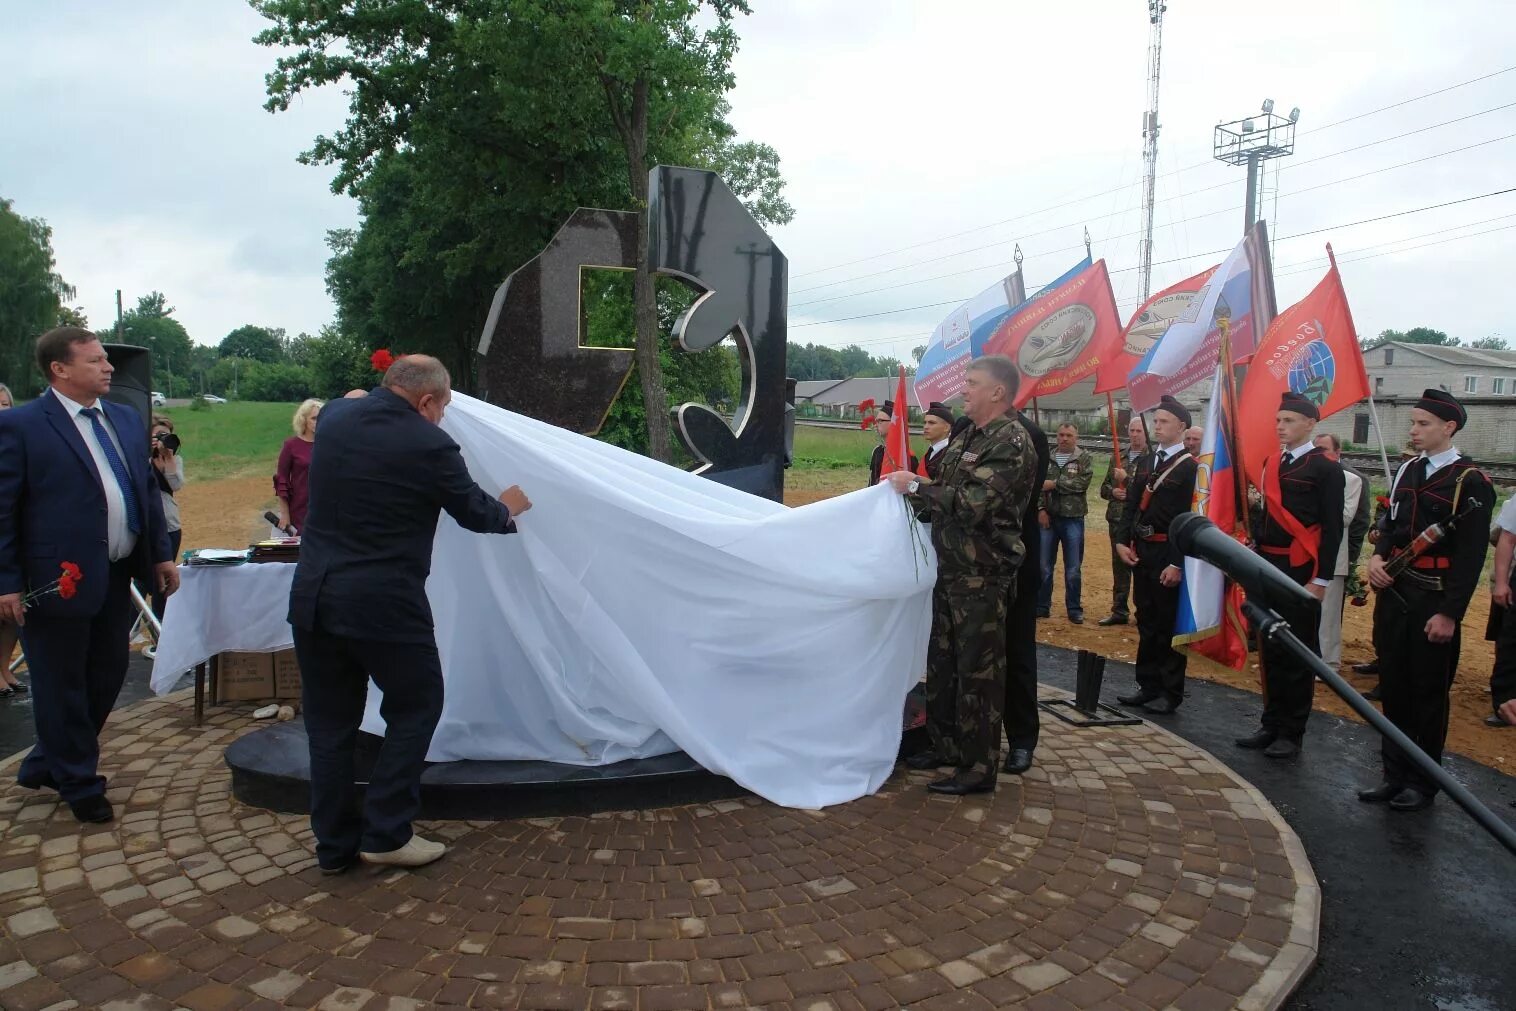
(1128, 869)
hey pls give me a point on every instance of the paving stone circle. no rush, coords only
(1127, 870)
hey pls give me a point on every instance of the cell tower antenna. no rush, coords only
(1150, 142)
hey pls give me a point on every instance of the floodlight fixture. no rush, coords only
(1251, 142)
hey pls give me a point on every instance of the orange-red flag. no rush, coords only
(1312, 349)
(1148, 323)
(897, 441)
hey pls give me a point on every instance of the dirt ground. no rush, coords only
(227, 513)
(1467, 733)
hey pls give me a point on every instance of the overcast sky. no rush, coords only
(919, 140)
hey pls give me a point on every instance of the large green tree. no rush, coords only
(258, 343)
(151, 324)
(476, 126)
(31, 295)
(1420, 335)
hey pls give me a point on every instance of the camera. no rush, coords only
(168, 440)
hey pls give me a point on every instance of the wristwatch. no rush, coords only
(914, 486)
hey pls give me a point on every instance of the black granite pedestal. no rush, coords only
(271, 769)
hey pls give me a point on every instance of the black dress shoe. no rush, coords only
(1495, 720)
(1043, 614)
(961, 784)
(1410, 799)
(1018, 761)
(341, 867)
(1141, 697)
(94, 809)
(1283, 747)
(1077, 619)
(1380, 794)
(1113, 619)
(1372, 667)
(43, 781)
(1373, 694)
(1161, 706)
(1262, 739)
(926, 760)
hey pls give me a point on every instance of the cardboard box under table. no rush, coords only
(247, 677)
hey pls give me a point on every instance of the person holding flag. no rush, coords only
(1300, 534)
(975, 508)
(1163, 487)
(883, 462)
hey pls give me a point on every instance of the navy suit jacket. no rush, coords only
(52, 504)
(380, 476)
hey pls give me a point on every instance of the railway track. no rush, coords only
(1367, 464)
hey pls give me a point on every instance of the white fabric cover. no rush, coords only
(642, 609)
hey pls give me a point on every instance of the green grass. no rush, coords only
(834, 449)
(231, 440)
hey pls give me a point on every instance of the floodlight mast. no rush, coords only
(1253, 141)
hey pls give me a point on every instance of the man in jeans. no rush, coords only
(1064, 505)
(1114, 489)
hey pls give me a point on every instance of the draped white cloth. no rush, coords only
(641, 609)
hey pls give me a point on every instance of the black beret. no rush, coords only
(943, 411)
(1443, 405)
(888, 408)
(1292, 401)
(1174, 407)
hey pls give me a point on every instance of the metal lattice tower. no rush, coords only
(1150, 142)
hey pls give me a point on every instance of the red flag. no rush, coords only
(1310, 348)
(1148, 323)
(897, 441)
(1063, 335)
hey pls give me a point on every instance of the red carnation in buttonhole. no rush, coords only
(382, 359)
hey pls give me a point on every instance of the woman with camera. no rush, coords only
(168, 469)
(9, 634)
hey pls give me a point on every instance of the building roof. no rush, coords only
(810, 389)
(1461, 357)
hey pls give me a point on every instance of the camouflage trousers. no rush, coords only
(965, 672)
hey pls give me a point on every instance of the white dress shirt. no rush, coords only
(940, 445)
(118, 535)
(1296, 452)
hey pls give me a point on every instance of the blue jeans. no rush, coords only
(1069, 532)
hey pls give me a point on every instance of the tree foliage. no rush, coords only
(1493, 342)
(1419, 335)
(475, 127)
(31, 295)
(816, 361)
(259, 343)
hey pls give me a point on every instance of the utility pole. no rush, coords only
(119, 333)
(1150, 142)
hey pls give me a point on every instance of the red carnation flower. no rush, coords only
(867, 423)
(866, 405)
(382, 359)
(71, 571)
(66, 587)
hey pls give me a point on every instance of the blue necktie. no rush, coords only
(123, 479)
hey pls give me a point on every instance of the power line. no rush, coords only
(1405, 249)
(1191, 256)
(1117, 189)
(1125, 235)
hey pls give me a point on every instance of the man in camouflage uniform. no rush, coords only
(1065, 502)
(975, 508)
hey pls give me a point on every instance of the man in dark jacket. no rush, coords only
(1114, 490)
(381, 471)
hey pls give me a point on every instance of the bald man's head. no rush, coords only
(423, 382)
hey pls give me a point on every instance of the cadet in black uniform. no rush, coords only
(1416, 627)
(1020, 715)
(937, 427)
(1300, 532)
(1162, 488)
(882, 419)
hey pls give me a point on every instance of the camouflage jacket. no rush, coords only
(1069, 497)
(1114, 506)
(977, 504)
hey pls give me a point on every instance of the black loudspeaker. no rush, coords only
(132, 382)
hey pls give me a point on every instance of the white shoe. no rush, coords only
(151, 652)
(417, 853)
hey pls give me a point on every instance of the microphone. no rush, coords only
(273, 518)
(1265, 585)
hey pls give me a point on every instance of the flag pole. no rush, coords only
(1229, 430)
(1110, 412)
(1384, 454)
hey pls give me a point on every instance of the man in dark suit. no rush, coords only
(75, 486)
(381, 472)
